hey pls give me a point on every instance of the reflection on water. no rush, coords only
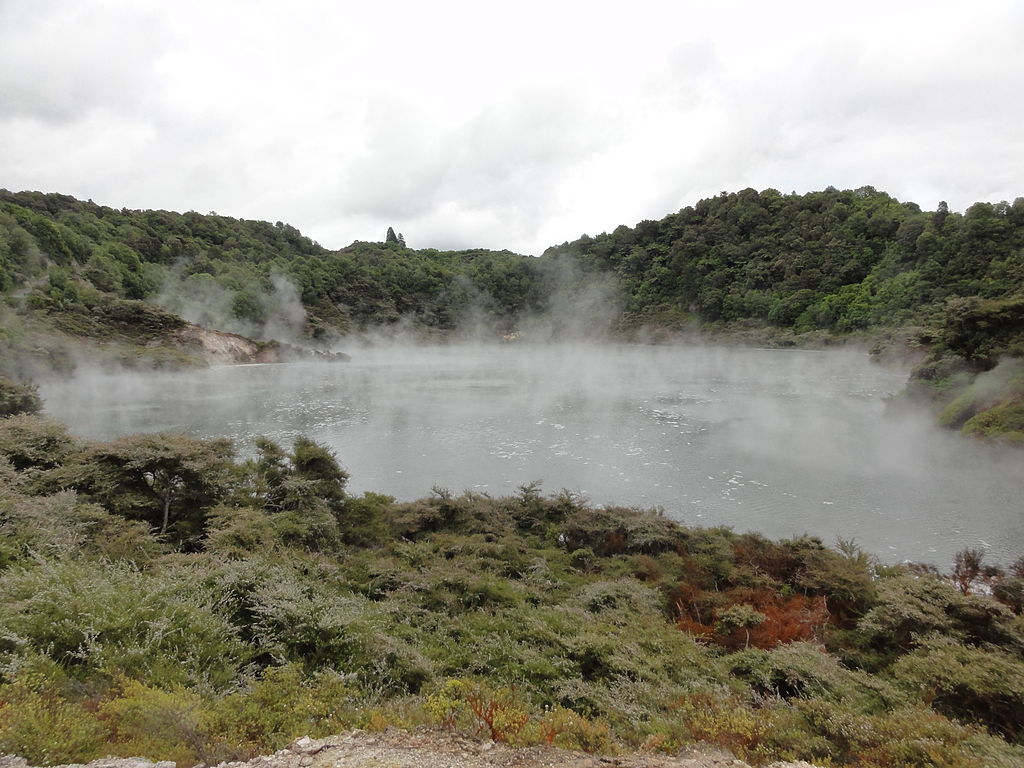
(784, 442)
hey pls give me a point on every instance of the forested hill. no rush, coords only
(831, 262)
(61, 251)
(839, 260)
(944, 287)
(834, 260)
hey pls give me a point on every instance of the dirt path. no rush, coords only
(438, 749)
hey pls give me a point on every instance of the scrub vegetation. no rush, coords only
(939, 289)
(160, 597)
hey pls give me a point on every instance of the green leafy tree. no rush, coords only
(1009, 588)
(318, 464)
(303, 491)
(164, 479)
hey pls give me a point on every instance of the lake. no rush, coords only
(780, 441)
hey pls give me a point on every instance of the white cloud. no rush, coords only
(515, 125)
(60, 61)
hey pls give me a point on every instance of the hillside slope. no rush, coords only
(942, 288)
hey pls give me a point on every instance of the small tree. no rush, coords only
(1008, 588)
(266, 472)
(304, 492)
(967, 568)
(160, 478)
(391, 236)
(318, 464)
(739, 616)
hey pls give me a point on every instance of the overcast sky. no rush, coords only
(504, 124)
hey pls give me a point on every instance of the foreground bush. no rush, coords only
(44, 727)
(281, 606)
(18, 398)
(98, 620)
(980, 685)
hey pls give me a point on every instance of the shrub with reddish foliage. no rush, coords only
(787, 619)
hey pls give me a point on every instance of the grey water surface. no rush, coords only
(779, 441)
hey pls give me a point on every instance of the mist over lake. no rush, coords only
(778, 441)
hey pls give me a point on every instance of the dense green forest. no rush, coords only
(837, 260)
(60, 253)
(833, 260)
(942, 289)
(160, 597)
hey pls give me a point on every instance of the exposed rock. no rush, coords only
(221, 348)
(289, 352)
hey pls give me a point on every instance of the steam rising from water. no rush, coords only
(783, 442)
(276, 313)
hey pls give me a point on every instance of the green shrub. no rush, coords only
(466, 514)
(39, 724)
(620, 600)
(234, 533)
(279, 707)
(61, 526)
(979, 685)
(1004, 421)
(159, 626)
(566, 729)
(18, 398)
(619, 530)
(160, 724)
(1009, 590)
(844, 579)
(294, 620)
(912, 607)
(361, 521)
(501, 714)
(136, 318)
(712, 717)
(28, 441)
(805, 671)
(904, 738)
(310, 525)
